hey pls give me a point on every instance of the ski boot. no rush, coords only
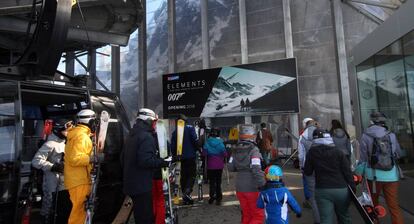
(187, 200)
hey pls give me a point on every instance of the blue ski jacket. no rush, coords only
(275, 199)
(190, 143)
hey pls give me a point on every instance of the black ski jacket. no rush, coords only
(139, 159)
(332, 169)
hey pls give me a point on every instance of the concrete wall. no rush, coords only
(313, 42)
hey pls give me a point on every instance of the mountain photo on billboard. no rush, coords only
(235, 88)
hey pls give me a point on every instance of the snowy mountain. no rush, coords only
(235, 85)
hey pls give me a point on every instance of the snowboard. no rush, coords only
(177, 173)
(162, 137)
(91, 200)
(124, 212)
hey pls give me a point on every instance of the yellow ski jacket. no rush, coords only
(77, 152)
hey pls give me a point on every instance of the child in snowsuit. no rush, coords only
(215, 151)
(275, 198)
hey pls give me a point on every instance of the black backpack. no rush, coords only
(381, 155)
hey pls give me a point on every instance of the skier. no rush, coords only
(341, 138)
(333, 175)
(247, 105)
(215, 151)
(386, 180)
(305, 142)
(264, 140)
(188, 159)
(139, 161)
(242, 105)
(246, 161)
(158, 201)
(49, 158)
(78, 159)
(275, 198)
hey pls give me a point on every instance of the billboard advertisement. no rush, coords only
(242, 90)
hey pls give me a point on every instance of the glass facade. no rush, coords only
(386, 84)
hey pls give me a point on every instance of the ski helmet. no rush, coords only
(305, 121)
(273, 173)
(247, 132)
(320, 133)
(146, 114)
(87, 117)
(60, 125)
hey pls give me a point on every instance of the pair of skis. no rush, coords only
(98, 145)
(170, 211)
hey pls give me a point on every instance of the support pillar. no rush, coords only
(342, 65)
(142, 59)
(91, 67)
(115, 70)
(287, 22)
(171, 37)
(243, 42)
(205, 42)
(70, 63)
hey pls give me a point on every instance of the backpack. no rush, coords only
(381, 155)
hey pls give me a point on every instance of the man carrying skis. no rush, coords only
(78, 158)
(139, 160)
(188, 159)
(379, 153)
(49, 158)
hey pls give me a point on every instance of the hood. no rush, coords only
(214, 142)
(78, 130)
(53, 137)
(376, 131)
(338, 133)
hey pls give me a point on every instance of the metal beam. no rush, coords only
(142, 60)
(70, 63)
(115, 70)
(342, 62)
(287, 22)
(364, 12)
(10, 24)
(91, 69)
(375, 3)
(205, 41)
(172, 57)
(243, 32)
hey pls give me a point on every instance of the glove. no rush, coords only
(166, 162)
(57, 168)
(299, 215)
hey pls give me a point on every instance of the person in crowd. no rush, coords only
(56, 205)
(264, 140)
(188, 159)
(379, 152)
(139, 161)
(304, 144)
(158, 200)
(78, 158)
(341, 138)
(275, 198)
(246, 161)
(215, 151)
(333, 175)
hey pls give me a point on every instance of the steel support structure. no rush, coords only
(70, 63)
(142, 60)
(172, 58)
(115, 70)
(287, 24)
(205, 42)
(342, 65)
(376, 3)
(91, 68)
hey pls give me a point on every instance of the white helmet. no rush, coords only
(147, 114)
(84, 116)
(306, 120)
